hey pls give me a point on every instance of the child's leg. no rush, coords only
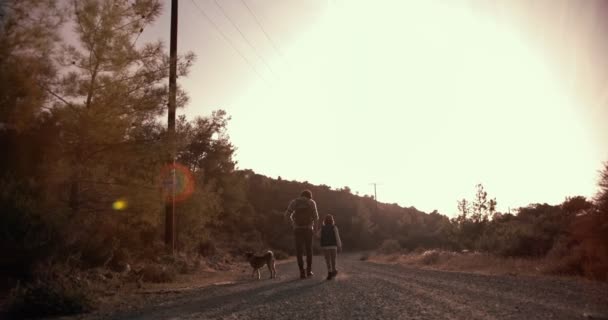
(327, 259)
(333, 254)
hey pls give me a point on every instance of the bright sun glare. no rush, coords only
(427, 98)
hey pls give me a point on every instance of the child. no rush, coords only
(330, 243)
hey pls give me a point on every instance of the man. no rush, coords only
(304, 219)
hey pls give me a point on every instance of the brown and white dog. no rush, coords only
(258, 262)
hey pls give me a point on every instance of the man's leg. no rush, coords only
(332, 254)
(299, 247)
(308, 242)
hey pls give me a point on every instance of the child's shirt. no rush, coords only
(330, 237)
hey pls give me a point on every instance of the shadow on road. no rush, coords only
(214, 301)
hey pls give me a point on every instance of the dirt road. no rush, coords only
(364, 290)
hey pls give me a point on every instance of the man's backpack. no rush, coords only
(304, 214)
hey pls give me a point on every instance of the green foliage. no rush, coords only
(532, 233)
(601, 199)
(28, 35)
(389, 246)
(206, 248)
(590, 232)
(430, 257)
(473, 219)
(280, 255)
(55, 297)
(80, 129)
(159, 273)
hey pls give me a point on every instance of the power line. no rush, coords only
(243, 36)
(257, 21)
(227, 39)
(141, 30)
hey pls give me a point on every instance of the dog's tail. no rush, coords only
(269, 254)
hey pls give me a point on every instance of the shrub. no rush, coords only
(280, 254)
(151, 251)
(186, 264)
(567, 264)
(591, 231)
(430, 257)
(97, 251)
(49, 298)
(206, 248)
(157, 273)
(390, 246)
(120, 260)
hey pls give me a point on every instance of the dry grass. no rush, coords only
(473, 262)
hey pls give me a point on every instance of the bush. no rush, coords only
(430, 257)
(151, 251)
(390, 246)
(206, 248)
(186, 264)
(97, 251)
(120, 260)
(591, 231)
(569, 264)
(49, 298)
(280, 254)
(157, 273)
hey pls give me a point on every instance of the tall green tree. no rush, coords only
(482, 208)
(110, 87)
(601, 198)
(28, 36)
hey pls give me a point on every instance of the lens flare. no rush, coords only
(184, 182)
(120, 204)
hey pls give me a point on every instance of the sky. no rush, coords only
(424, 98)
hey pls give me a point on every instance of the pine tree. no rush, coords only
(112, 88)
(28, 35)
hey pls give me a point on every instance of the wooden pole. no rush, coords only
(170, 204)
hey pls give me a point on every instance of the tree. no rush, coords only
(91, 135)
(205, 148)
(109, 88)
(28, 35)
(463, 211)
(590, 230)
(473, 217)
(577, 204)
(482, 208)
(601, 199)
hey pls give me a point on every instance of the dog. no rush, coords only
(258, 262)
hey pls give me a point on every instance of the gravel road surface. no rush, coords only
(365, 290)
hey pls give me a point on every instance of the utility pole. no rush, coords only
(170, 201)
(375, 196)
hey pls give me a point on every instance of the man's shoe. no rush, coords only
(302, 274)
(334, 274)
(309, 274)
(329, 275)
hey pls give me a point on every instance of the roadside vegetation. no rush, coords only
(566, 239)
(84, 147)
